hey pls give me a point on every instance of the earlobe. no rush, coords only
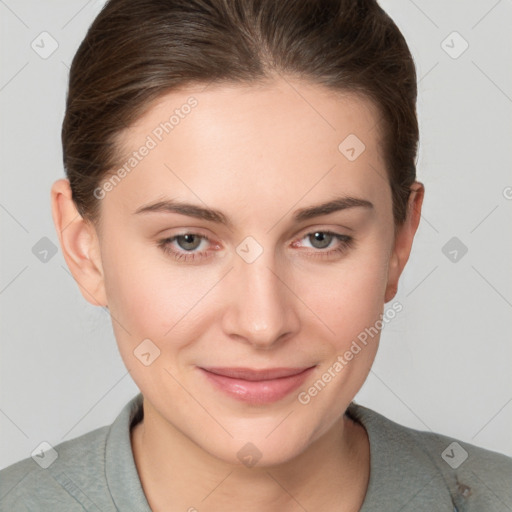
(79, 244)
(404, 238)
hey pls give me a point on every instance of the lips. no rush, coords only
(256, 375)
(256, 386)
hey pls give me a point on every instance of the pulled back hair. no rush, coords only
(136, 51)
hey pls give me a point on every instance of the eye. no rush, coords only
(185, 246)
(326, 243)
(194, 247)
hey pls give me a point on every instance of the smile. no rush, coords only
(256, 387)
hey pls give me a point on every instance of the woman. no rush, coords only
(242, 196)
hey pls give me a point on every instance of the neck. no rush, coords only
(331, 474)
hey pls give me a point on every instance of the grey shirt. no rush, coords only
(409, 471)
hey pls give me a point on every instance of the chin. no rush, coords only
(260, 446)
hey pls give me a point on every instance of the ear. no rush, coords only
(79, 244)
(404, 237)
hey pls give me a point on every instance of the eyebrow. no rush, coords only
(212, 215)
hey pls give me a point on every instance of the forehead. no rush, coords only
(283, 140)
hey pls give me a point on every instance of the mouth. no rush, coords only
(256, 386)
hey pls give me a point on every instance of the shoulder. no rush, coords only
(474, 478)
(93, 472)
(57, 476)
(480, 479)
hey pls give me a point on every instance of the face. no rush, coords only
(213, 254)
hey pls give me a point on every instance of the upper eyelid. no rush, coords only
(307, 232)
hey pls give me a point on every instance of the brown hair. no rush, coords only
(138, 50)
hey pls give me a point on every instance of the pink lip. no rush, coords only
(257, 386)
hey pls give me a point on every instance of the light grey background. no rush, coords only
(445, 361)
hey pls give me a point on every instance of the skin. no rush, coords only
(257, 153)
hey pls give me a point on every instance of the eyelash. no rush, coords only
(345, 243)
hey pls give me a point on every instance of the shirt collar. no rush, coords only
(121, 473)
(394, 463)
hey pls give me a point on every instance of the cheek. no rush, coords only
(148, 294)
(349, 296)
(152, 299)
(350, 302)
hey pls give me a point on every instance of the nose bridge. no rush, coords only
(261, 307)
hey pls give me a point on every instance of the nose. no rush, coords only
(262, 307)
